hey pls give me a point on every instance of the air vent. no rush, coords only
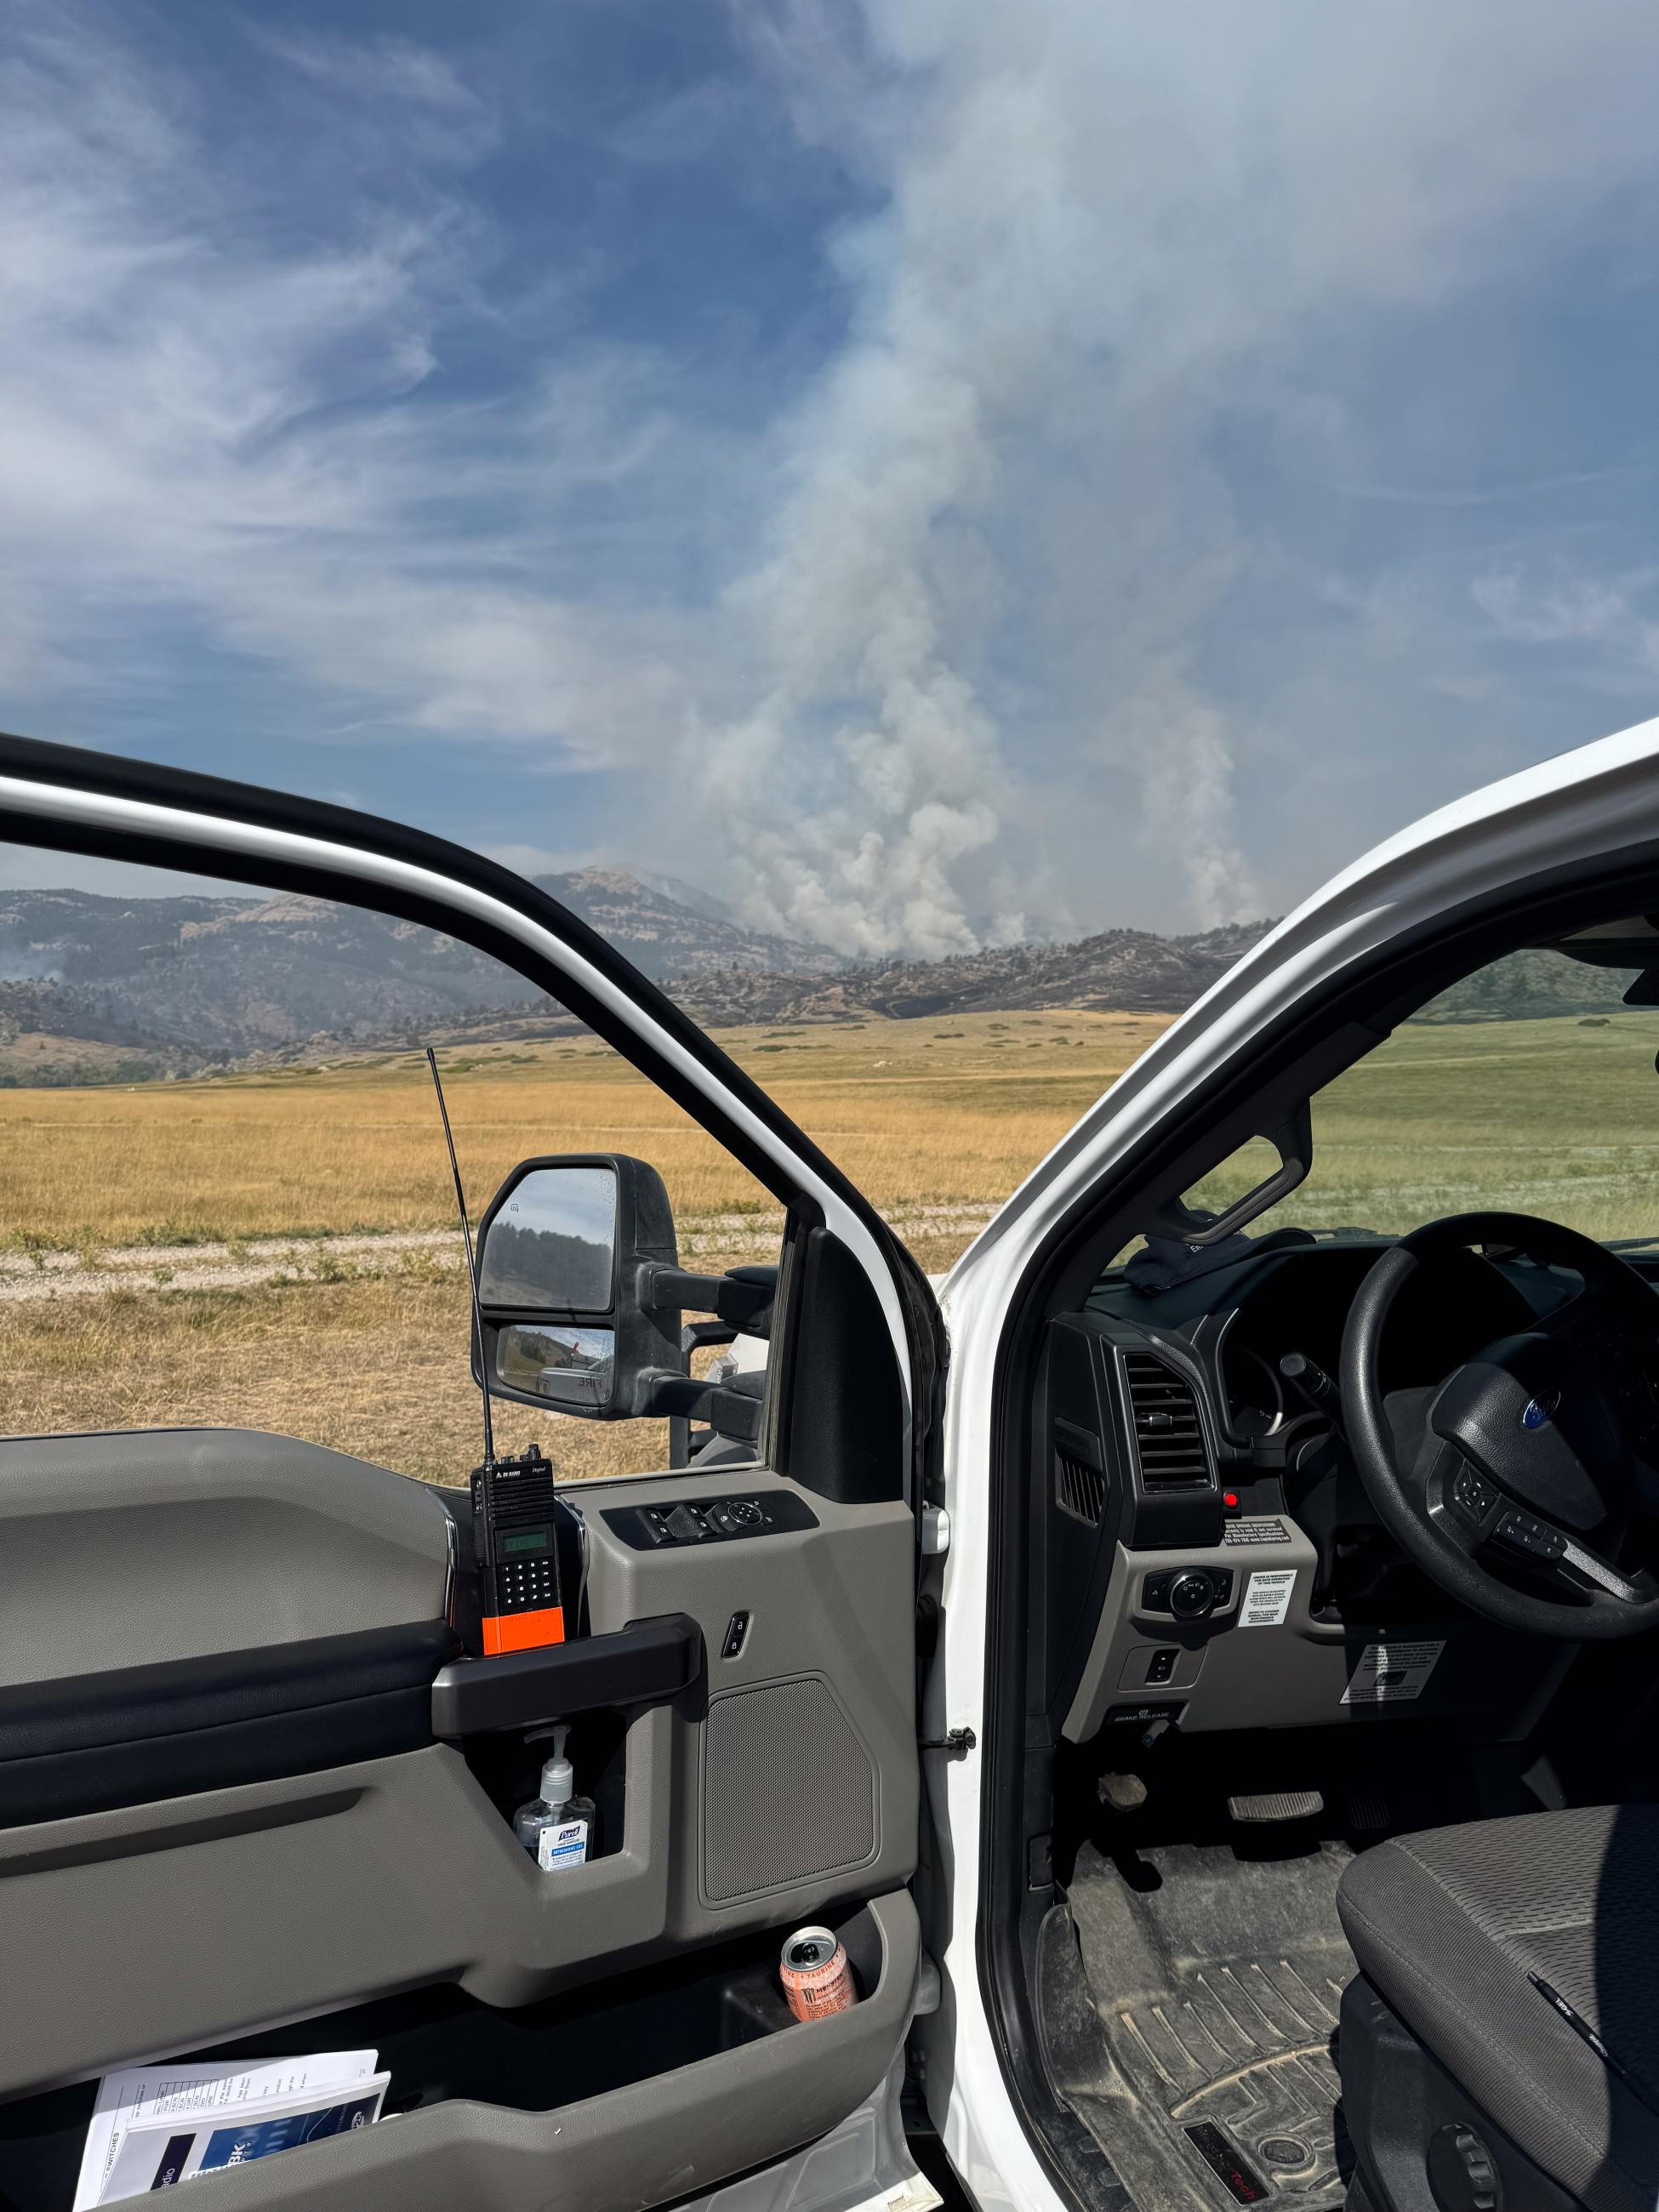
(1169, 1434)
(1078, 1489)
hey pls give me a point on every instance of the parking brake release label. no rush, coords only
(1388, 1672)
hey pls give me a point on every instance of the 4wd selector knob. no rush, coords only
(1192, 1595)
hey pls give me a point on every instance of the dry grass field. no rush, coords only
(929, 1120)
(936, 1121)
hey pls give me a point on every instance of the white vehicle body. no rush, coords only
(1569, 810)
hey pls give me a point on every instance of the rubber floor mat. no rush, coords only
(1213, 1983)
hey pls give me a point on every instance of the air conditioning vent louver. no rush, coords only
(1169, 1434)
(1078, 1490)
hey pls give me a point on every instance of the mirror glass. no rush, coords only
(565, 1364)
(553, 1243)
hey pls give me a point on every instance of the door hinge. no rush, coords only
(959, 1740)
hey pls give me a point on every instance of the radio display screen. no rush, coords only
(535, 1540)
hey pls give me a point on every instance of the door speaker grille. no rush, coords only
(789, 1792)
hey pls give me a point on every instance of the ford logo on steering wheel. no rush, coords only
(1536, 1413)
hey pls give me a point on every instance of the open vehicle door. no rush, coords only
(1058, 1638)
(257, 1779)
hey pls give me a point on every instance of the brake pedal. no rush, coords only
(1284, 1805)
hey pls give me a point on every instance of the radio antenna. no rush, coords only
(472, 1260)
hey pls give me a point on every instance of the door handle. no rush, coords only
(649, 1662)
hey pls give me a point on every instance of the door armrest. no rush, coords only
(649, 1662)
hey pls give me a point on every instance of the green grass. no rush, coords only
(1557, 1116)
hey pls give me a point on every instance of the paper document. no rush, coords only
(153, 2125)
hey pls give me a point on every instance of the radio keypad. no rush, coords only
(523, 1585)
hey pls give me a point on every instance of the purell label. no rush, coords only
(563, 1845)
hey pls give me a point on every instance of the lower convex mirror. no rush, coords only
(559, 1364)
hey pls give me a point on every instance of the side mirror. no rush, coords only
(563, 1252)
(580, 1292)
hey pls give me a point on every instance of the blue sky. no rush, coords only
(953, 469)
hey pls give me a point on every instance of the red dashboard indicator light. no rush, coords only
(1230, 1498)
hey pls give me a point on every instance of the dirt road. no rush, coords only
(28, 1276)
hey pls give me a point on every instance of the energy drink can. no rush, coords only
(817, 1979)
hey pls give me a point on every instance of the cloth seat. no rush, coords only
(1450, 1927)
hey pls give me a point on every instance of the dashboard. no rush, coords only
(1197, 1456)
(1298, 1303)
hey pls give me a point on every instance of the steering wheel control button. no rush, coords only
(1473, 1492)
(1532, 1536)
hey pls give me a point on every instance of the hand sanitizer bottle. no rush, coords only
(556, 1828)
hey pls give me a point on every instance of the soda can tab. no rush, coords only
(817, 1977)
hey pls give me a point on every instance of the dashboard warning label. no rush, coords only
(1267, 1598)
(1389, 1672)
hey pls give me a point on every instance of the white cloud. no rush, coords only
(206, 406)
(1611, 619)
(1017, 610)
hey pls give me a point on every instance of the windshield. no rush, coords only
(1529, 1086)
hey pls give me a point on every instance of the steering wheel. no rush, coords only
(1534, 1454)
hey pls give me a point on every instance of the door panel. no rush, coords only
(801, 1782)
(232, 1896)
(707, 2076)
(669, 2136)
(251, 1787)
(139, 1735)
(141, 1546)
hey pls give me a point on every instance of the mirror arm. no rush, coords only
(733, 1413)
(744, 1296)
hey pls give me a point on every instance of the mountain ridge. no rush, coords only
(94, 987)
(1115, 970)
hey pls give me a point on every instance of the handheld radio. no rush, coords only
(515, 1534)
(515, 1538)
